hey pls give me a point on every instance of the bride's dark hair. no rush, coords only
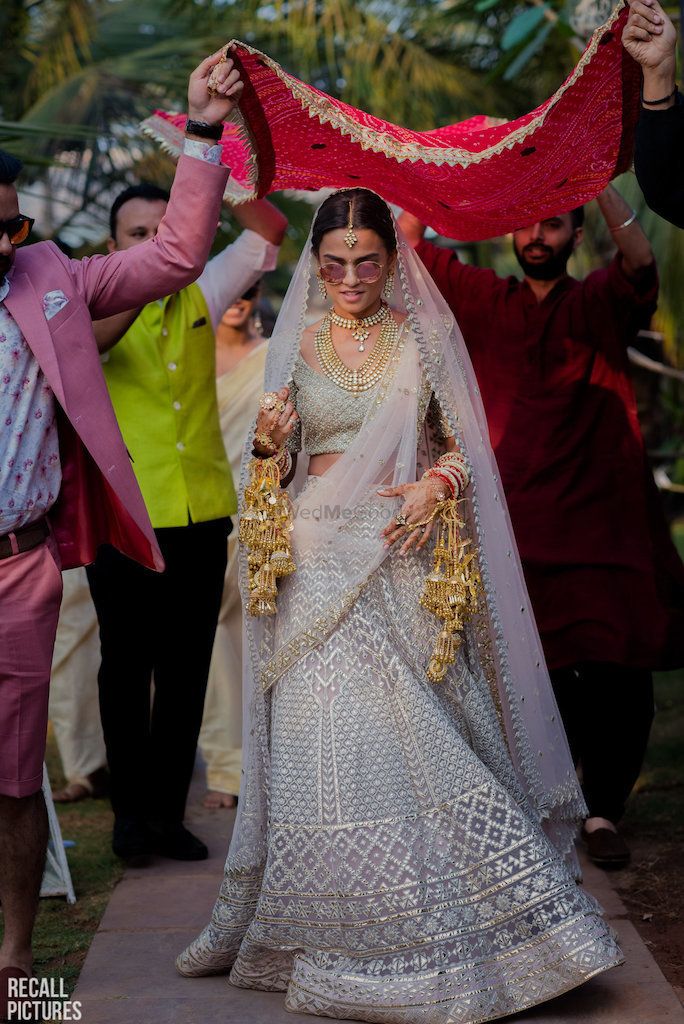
(368, 211)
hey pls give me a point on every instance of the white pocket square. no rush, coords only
(53, 302)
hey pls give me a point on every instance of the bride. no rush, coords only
(403, 850)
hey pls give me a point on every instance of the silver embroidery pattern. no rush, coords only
(390, 860)
(405, 878)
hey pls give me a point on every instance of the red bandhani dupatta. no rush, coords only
(472, 180)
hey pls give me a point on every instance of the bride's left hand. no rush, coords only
(420, 501)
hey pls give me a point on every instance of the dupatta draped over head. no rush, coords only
(477, 179)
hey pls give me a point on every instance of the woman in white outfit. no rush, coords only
(403, 850)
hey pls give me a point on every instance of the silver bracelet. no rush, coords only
(630, 220)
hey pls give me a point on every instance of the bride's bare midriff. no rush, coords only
(319, 464)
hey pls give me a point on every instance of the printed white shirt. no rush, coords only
(30, 471)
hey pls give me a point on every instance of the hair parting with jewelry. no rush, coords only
(354, 209)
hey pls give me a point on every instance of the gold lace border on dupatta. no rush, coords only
(322, 107)
(170, 139)
(326, 111)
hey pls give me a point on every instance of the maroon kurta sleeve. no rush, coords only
(467, 289)
(629, 301)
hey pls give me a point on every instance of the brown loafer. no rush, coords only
(606, 849)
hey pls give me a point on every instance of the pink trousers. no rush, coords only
(30, 595)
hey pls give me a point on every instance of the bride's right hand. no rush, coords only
(277, 425)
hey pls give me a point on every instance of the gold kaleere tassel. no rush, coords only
(265, 528)
(451, 589)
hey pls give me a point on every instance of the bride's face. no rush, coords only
(354, 278)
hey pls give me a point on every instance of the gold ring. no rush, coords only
(271, 401)
(401, 520)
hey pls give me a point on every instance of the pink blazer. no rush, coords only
(100, 501)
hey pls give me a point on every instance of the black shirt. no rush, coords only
(659, 160)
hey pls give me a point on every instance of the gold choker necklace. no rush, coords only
(361, 328)
(371, 370)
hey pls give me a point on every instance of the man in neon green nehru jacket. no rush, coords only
(160, 370)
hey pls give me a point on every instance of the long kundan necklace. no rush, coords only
(366, 376)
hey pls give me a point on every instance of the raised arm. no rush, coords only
(413, 228)
(467, 289)
(263, 218)
(626, 231)
(240, 265)
(650, 38)
(175, 257)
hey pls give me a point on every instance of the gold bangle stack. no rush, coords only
(266, 441)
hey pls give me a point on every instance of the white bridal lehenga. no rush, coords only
(403, 851)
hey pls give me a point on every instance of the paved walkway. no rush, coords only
(129, 977)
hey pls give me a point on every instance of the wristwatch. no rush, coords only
(203, 130)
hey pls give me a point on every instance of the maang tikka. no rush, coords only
(351, 238)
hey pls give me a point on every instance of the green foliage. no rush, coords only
(658, 800)
(522, 25)
(14, 67)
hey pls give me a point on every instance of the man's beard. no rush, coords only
(555, 266)
(5, 264)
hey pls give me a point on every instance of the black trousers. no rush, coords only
(607, 711)
(161, 626)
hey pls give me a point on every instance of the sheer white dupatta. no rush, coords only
(337, 522)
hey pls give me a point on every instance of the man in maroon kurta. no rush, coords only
(605, 581)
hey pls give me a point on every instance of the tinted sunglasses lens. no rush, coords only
(18, 230)
(332, 273)
(368, 272)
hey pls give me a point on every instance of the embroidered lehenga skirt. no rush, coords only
(405, 879)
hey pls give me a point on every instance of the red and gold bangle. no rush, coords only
(455, 482)
(450, 459)
(454, 462)
(462, 476)
(435, 474)
(455, 477)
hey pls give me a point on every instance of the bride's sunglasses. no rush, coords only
(368, 272)
(16, 228)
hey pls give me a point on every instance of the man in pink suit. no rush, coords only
(66, 483)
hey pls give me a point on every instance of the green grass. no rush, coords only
(657, 805)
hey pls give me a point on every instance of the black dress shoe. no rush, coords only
(606, 849)
(132, 842)
(173, 840)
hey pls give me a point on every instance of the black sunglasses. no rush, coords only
(16, 228)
